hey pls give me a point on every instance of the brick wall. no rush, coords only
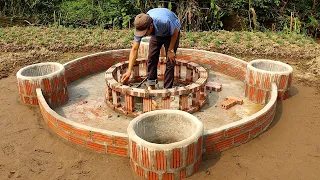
(239, 132)
(99, 140)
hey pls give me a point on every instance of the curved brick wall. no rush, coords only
(178, 152)
(94, 63)
(99, 140)
(109, 142)
(222, 63)
(261, 73)
(195, 86)
(239, 132)
(50, 77)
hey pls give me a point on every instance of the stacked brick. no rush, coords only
(261, 74)
(231, 101)
(212, 86)
(194, 86)
(50, 77)
(173, 161)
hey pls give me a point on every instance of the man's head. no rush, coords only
(143, 25)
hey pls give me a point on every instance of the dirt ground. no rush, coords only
(289, 149)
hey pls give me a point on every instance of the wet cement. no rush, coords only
(87, 104)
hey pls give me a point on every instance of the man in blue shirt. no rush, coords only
(164, 27)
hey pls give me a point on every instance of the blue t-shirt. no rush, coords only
(164, 22)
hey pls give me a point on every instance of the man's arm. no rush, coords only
(174, 37)
(132, 60)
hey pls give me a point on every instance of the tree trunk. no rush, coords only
(314, 4)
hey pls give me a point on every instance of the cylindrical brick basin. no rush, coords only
(165, 144)
(261, 73)
(193, 89)
(50, 77)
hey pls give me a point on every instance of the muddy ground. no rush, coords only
(289, 149)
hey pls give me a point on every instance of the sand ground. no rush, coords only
(289, 149)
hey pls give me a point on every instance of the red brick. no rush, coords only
(248, 126)
(190, 154)
(134, 151)
(183, 174)
(55, 84)
(64, 126)
(139, 171)
(145, 157)
(35, 101)
(102, 138)
(95, 146)
(252, 93)
(241, 138)
(224, 144)
(51, 126)
(255, 131)
(52, 119)
(153, 176)
(27, 100)
(81, 132)
(267, 81)
(28, 87)
(117, 150)
(120, 141)
(168, 176)
(283, 81)
(176, 158)
(76, 140)
(160, 161)
(62, 134)
(233, 131)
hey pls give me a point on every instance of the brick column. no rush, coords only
(49, 77)
(195, 99)
(164, 161)
(116, 98)
(177, 72)
(260, 75)
(166, 103)
(147, 104)
(129, 103)
(183, 102)
(189, 75)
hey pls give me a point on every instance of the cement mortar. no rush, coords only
(87, 104)
(164, 128)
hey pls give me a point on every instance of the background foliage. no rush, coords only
(195, 15)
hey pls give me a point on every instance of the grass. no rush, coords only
(58, 38)
(236, 38)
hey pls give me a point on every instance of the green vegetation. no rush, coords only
(195, 15)
(98, 39)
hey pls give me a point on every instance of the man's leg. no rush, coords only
(169, 74)
(153, 59)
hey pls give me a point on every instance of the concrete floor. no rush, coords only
(87, 105)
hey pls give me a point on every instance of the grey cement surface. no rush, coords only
(87, 104)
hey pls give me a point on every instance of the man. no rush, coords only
(164, 27)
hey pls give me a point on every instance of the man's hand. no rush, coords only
(125, 77)
(171, 57)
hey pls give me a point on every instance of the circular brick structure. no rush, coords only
(195, 80)
(50, 77)
(261, 73)
(165, 144)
